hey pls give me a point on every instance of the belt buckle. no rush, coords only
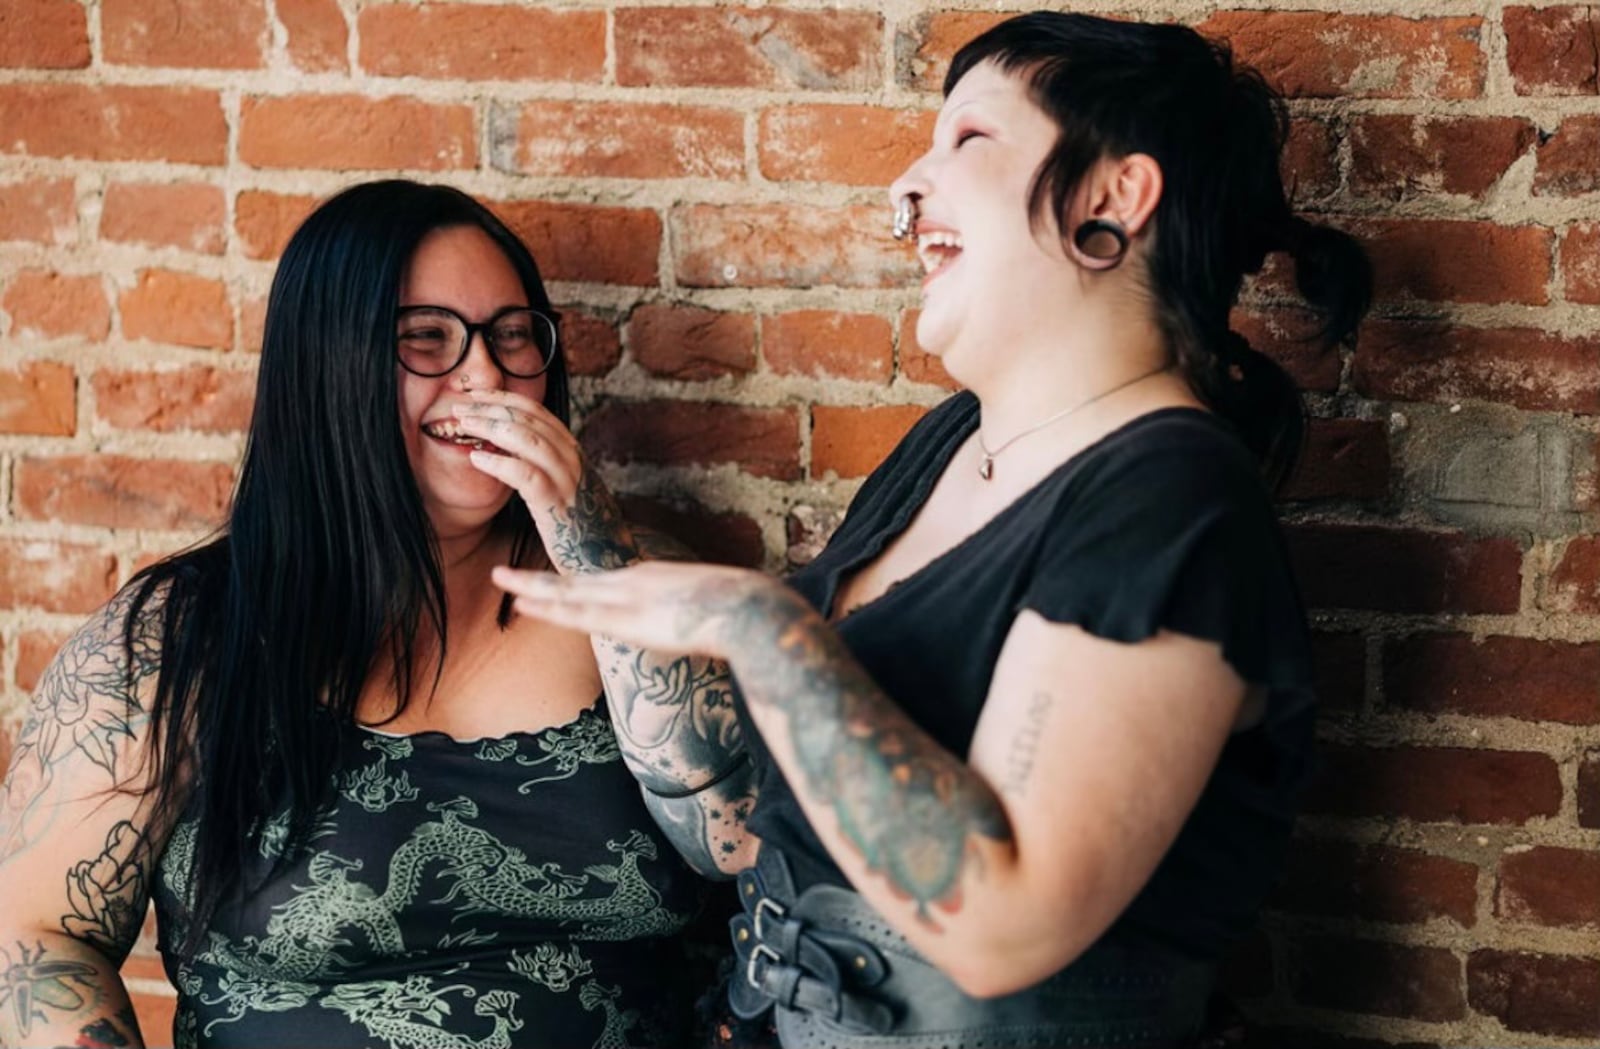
(766, 903)
(755, 954)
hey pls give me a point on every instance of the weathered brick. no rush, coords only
(1387, 979)
(1544, 994)
(252, 321)
(821, 343)
(39, 397)
(482, 42)
(118, 491)
(723, 538)
(354, 132)
(1550, 886)
(939, 36)
(265, 221)
(1310, 161)
(51, 305)
(797, 246)
(851, 441)
(1525, 367)
(628, 140)
(44, 34)
(1436, 784)
(113, 123)
(180, 308)
(1511, 677)
(586, 242)
(1340, 663)
(916, 363)
(764, 442)
(1400, 156)
(1574, 584)
(1288, 334)
(853, 145)
(318, 37)
(807, 530)
(41, 210)
(189, 34)
(1378, 883)
(187, 215)
(1554, 50)
(1580, 262)
(35, 650)
(767, 47)
(1342, 459)
(1589, 791)
(686, 342)
(57, 577)
(591, 344)
(210, 400)
(1402, 570)
(1568, 159)
(1327, 54)
(1444, 260)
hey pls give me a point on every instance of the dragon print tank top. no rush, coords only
(454, 895)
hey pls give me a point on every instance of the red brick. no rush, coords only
(1342, 459)
(764, 442)
(210, 400)
(1442, 260)
(353, 132)
(591, 344)
(1554, 50)
(187, 215)
(156, 1013)
(1310, 160)
(1436, 784)
(57, 577)
(54, 305)
(113, 123)
(766, 47)
(1569, 161)
(1378, 883)
(265, 221)
(1510, 677)
(851, 442)
(1574, 584)
(44, 34)
(39, 397)
(939, 36)
(1386, 979)
(1318, 54)
(41, 210)
(588, 243)
(318, 35)
(180, 308)
(1589, 791)
(1580, 262)
(822, 344)
(723, 538)
(1402, 156)
(797, 246)
(191, 34)
(854, 145)
(1525, 367)
(252, 319)
(806, 532)
(917, 364)
(117, 491)
(1340, 662)
(1550, 886)
(686, 342)
(482, 42)
(35, 650)
(1288, 334)
(629, 140)
(1403, 570)
(1541, 993)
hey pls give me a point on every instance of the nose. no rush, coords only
(478, 371)
(913, 181)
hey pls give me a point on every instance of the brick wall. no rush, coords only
(703, 184)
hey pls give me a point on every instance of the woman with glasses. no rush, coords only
(371, 805)
(1028, 733)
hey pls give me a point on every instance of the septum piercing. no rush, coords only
(905, 217)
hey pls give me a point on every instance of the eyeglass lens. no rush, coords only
(432, 341)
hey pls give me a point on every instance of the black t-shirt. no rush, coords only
(1162, 524)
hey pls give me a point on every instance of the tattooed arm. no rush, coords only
(1002, 867)
(75, 862)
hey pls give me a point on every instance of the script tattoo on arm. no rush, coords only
(1024, 749)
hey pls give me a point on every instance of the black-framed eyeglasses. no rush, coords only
(433, 340)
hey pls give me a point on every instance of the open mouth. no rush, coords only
(938, 250)
(450, 432)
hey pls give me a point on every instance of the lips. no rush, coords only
(938, 250)
(449, 432)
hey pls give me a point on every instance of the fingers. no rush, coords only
(592, 604)
(540, 451)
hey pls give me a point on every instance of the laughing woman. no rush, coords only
(1028, 733)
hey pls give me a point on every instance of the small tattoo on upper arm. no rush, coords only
(1024, 751)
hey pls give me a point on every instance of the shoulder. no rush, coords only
(1173, 458)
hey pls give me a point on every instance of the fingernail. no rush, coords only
(479, 458)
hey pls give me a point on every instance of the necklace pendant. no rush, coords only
(986, 468)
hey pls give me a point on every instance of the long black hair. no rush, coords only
(327, 566)
(1217, 130)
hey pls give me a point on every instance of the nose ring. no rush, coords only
(905, 217)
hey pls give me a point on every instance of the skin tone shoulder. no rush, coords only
(1001, 867)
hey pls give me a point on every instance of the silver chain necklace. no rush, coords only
(986, 468)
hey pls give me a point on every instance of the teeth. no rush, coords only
(937, 248)
(444, 428)
(939, 238)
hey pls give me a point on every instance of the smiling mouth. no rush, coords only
(450, 432)
(938, 250)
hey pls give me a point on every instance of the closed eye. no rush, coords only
(967, 135)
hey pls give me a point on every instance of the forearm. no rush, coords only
(707, 826)
(59, 991)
